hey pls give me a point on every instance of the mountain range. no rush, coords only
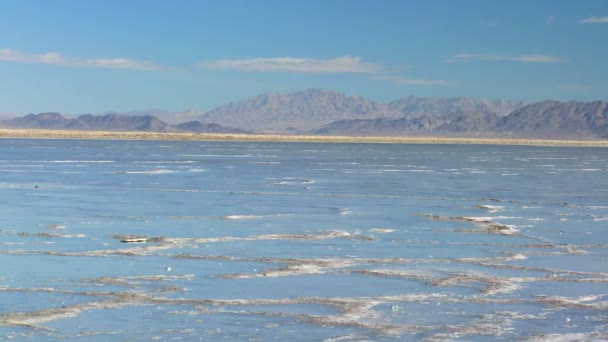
(112, 122)
(319, 111)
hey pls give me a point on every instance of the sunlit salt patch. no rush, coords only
(291, 181)
(586, 302)
(345, 211)
(26, 165)
(81, 161)
(487, 327)
(518, 256)
(196, 170)
(325, 170)
(362, 172)
(72, 236)
(599, 218)
(566, 337)
(202, 155)
(242, 217)
(152, 172)
(491, 208)
(166, 162)
(490, 218)
(485, 224)
(350, 337)
(553, 158)
(480, 219)
(135, 280)
(56, 227)
(52, 235)
(248, 155)
(488, 285)
(283, 183)
(381, 230)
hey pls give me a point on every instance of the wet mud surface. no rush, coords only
(494, 282)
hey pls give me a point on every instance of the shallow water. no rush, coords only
(301, 241)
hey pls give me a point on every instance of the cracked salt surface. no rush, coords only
(359, 253)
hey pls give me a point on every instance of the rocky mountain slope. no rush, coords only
(557, 119)
(440, 106)
(387, 126)
(199, 127)
(300, 111)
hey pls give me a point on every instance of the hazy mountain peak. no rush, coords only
(304, 110)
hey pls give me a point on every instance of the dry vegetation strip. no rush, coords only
(69, 134)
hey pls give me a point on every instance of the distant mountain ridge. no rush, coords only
(326, 112)
(111, 122)
(545, 119)
(438, 106)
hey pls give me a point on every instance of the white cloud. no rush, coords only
(411, 81)
(53, 58)
(532, 58)
(346, 64)
(595, 20)
(538, 59)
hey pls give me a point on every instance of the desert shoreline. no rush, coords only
(115, 135)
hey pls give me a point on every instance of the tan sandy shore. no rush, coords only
(68, 134)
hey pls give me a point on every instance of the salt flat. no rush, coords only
(243, 240)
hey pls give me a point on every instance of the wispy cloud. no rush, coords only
(532, 58)
(54, 58)
(411, 81)
(595, 20)
(345, 64)
(550, 20)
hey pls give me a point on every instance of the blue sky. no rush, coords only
(104, 55)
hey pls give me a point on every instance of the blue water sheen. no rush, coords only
(301, 241)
